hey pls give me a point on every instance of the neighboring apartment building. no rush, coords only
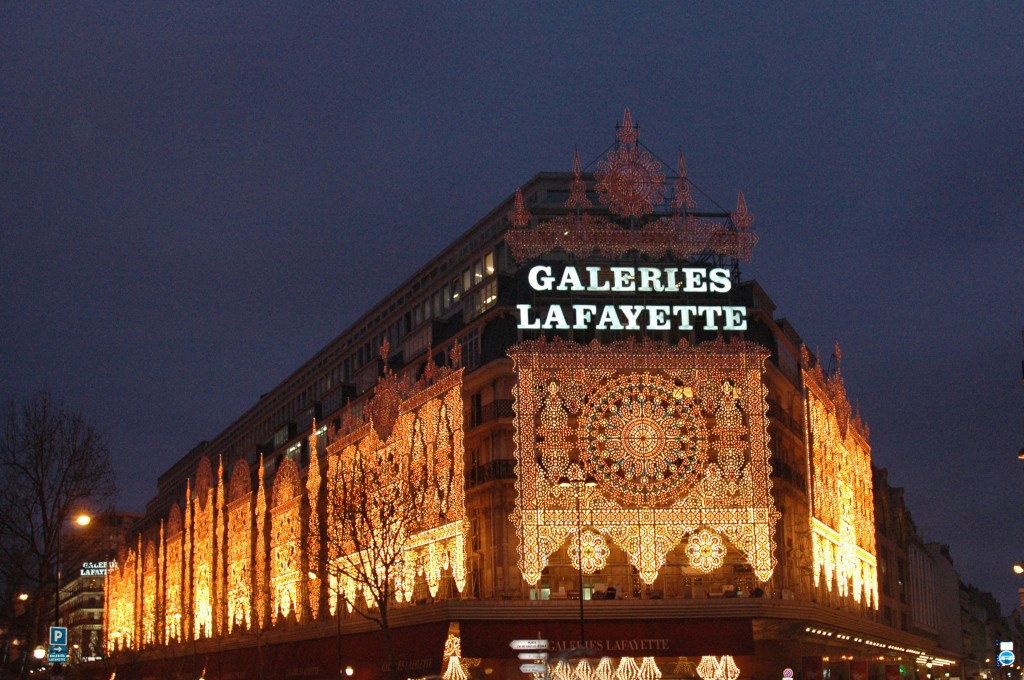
(626, 450)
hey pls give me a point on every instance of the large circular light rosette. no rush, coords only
(644, 439)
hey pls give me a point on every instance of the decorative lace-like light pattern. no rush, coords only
(172, 589)
(202, 551)
(313, 529)
(239, 518)
(843, 510)
(286, 543)
(149, 573)
(674, 434)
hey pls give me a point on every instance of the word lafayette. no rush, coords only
(632, 317)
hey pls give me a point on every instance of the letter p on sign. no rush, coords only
(58, 635)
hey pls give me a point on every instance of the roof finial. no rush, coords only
(741, 217)
(519, 216)
(627, 133)
(578, 188)
(683, 198)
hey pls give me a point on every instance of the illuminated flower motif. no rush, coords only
(706, 551)
(712, 668)
(630, 182)
(642, 435)
(593, 553)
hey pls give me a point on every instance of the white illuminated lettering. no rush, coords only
(609, 319)
(658, 318)
(695, 280)
(721, 282)
(632, 313)
(709, 313)
(650, 279)
(584, 313)
(570, 280)
(735, 318)
(623, 279)
(524, 315)
(684, 312)
(595, 276)
(538, 282)
(556, 318)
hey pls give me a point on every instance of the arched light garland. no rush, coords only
(202, 552)
(647, 414)
(843, 510)
(172, 590)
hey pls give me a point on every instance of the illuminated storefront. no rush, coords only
(578, 413)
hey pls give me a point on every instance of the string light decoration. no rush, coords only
(629, 179)
(119, 591)
(718, 668)
(202, 551)
(706, 551)
(456, 667)
(239, 573)
(675, 436)
(220, 540)
(313, 528)
(286, 542)
(843, 514)
(259, 600)
(592, 554)
(149, 573)
(633, 186)
(606, 669)
(172, 589)
(411, 446)
(187, 602)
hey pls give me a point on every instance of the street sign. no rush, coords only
(528, 644)
(533, 656)
(533, 668)
(58, 635)
(57, 654)
(1006, 658)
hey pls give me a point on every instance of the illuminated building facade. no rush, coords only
(579, 401)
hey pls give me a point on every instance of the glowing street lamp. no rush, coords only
(81, 520)
(1018, 568)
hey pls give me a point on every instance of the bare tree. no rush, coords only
(373, 502)
(52, 463)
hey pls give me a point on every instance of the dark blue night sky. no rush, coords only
(195, 200)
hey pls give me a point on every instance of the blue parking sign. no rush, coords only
(58, 635)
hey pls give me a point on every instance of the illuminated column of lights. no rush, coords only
(239, 548)
(202, 551)
(424, 421)
(161, 584)
(260, 599)
(173, 590)
(313, 530)
(188, 592)
(149, 572)
(645, 417)
(220, 552)
(285, 542)
(842, 519)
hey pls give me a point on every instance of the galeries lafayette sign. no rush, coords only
(651, 282)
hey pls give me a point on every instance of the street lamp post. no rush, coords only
(577, 486)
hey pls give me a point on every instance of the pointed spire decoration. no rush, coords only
(742, 217)
(519, 216)
(578, 189)
(627, 133)
(683, 198)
